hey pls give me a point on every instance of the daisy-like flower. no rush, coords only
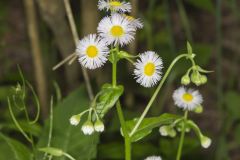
(136, 22)
(92, 51)
(148, 69)
(114, 6)
(188, 99)
(154, 158)
(116, 30)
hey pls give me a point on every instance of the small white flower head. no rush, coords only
(75, 119)
(188, 99)
(116, 30)
(136, 22)
(92, 51)
(205, 141)
(148, 69)
(99, 126)
(88, 128)
(114, 6)
(154, 158)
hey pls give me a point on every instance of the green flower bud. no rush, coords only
(185, 80)
(75, 119)
(203, 79)
(195, 78)
(88, 128)
(99, 126)
(167, 131)
(205, 141)
(198, 109)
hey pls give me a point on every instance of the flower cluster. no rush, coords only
(118, 29)
(189, 100)
(90, 125)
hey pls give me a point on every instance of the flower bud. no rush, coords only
(88, 128)
(195, 78)
(75, 119)
(99, 126)
(163, 131)
(205, 141)
(198, 109)
(185, 80)
(203, 79)
(167, 131)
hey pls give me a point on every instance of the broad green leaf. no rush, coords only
(66, 137)
(11, 149)
(108, 97)
(148, 124)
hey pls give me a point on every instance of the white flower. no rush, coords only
(154, 158)
(88, 128)
(99, 126)
(148, 69)
(116, 30)
(92, 51)
(114, 5)
(75, 119)
(188, 99)
(136, 22)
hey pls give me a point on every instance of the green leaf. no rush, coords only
(148, 124)
(11, 149)
(66, 137)
(108, 97)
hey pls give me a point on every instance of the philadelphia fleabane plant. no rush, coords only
(115, 31)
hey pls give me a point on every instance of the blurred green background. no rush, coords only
(213, 29)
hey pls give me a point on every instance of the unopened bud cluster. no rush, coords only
(196, 77)
(89, 126)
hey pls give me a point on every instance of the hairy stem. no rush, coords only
(120, 112)
(156, 92)
(180, 146)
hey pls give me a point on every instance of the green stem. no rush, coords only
(124, 130)
(156, 92)
(114, 74)
(180, 146)
(120, 112)
(68, 156)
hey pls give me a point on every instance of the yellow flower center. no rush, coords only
(149, 69)
(187, 97)
(92, 51)
(115, 3)
(117, 31)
